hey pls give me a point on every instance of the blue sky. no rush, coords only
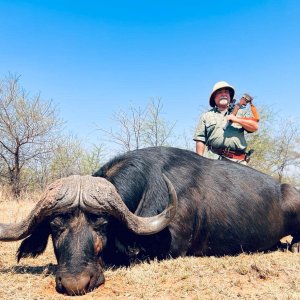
(94, 57)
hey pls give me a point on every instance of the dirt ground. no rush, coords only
(273, 275)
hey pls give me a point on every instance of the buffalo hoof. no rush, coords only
(295, 248)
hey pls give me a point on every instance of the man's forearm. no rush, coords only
(247, 124)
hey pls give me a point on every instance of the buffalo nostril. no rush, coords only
(76, 285)
(59, 286)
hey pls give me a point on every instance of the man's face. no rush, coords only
(222, 98)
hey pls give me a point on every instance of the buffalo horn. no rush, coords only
(52, 200)
(104, 198)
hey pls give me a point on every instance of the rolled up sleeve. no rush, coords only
(200, 134)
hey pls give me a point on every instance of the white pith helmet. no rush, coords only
(220, 85)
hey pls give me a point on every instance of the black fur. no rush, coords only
(36, 243)
(224, 207)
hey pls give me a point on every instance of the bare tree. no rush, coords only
(157, 131)
(140, 127)
(129, 128)
(285, 155)
(27, 129)
(276, 146)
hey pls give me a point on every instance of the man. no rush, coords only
(212, 140)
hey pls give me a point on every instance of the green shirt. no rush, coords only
(210, 130)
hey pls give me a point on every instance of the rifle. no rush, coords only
(246, 98)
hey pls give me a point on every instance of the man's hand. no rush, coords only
(232, 118)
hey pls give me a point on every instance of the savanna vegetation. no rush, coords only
(34, 151)
(273, 275)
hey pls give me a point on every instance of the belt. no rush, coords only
(228, 153)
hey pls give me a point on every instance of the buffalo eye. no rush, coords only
(97, 222)
(57, 225)
(100, 223)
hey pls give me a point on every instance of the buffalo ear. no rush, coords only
(36, 243)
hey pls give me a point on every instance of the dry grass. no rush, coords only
(258, 276)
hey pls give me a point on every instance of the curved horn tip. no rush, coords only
(155, 224)
(172, 192)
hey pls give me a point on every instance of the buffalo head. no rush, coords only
(75, 211)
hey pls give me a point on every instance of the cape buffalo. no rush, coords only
(155, 202)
